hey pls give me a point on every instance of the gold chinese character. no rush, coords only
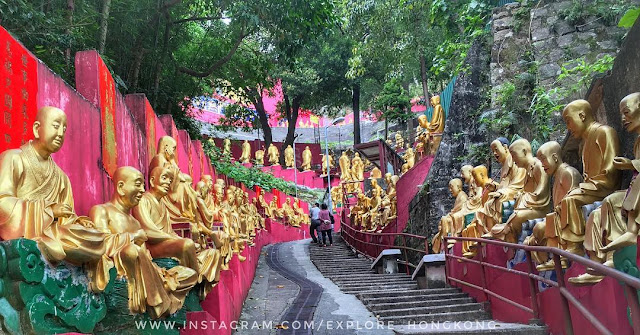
(7, 118)
(8, 101)
(7, 138)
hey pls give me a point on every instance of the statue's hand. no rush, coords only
(622, 163)
(62, 211)
(494, 194)
(139, 237)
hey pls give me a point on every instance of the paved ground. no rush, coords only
(272, 296)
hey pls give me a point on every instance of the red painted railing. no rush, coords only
(631, 284)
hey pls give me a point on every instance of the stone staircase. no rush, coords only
(396, 298)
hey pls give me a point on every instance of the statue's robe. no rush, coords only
(512, 180)
(600, 179)
(29, 187)
(151, 289)
(446, 222)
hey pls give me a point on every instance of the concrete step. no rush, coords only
(437, 317)
(421, 303)
(469, 328)
(343, 264)
(381, 284)
(430, 310)
(366, 276)
(400, 292)
(370, 281)
(409, 299)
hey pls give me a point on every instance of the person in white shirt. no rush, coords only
(314, 213)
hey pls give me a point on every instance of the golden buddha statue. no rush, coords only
(535, 198)
(302, 217)
(370, 219)
(246, 152)
(158, 291)
(436, 126)
(357, 167)
(254, 212)
(445, 228)
(399, 141)
(336, 196)
(226, 147)
(262, 204)
(392, 181)
(273, 155)
(475, 228)
(289, 213)
(36, 201)
(512, 180)
(260, 157)
(345, 166)
(289, 158)
(565, 178)
(306, 159)
(274, 209)
(614, 224)
(410, 160)
(325, 168)
(423, 124)
(359, 209)
(474, 195)
(389, 142)
(600, 145)
(375, 173)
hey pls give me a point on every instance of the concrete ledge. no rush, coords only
(430, 272)
(387, 258)
(428, 259)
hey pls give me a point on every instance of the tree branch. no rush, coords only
(218, 63)
(190, 19)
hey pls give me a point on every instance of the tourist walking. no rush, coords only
(326, 226)
(314, 213)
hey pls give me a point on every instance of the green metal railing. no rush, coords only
(445, 99)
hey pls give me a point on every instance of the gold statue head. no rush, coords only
(49, 130)
(423, 121)
(480, 175)
(201, 188)
(288, 201)
(520, 150)
(307, 148)
(549, 156)
(160, 179)
(208, 180)
(455, 186)
(398, 136)
(129, 186)
(465, 173)
(630, 110)
(578, 116)
(500, 149)
(435, 100)
(167, 147)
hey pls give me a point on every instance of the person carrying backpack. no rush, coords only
(326, 226)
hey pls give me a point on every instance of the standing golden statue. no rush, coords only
(399, 141)
(226, 147)
(151, 289)
(436, 126)
(565, 178)
(512, 180)
(36, 201)
(615, 224)
(331, 164)
(289, 157)
(535, 198)
(345, 166)
(445, 228)
(246, 152)
(410, 160)
(357, 167)
(273, 155)
(306, 159)
(260, 157)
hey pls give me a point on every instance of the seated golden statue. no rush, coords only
(375, 173)
(614, 224)
(565, 178)
(36, 201)
(475, 228)
(445, 227)
(290, 214)
(226, 147)
(254, 212)
(392, 181)
(410, 160)
(358, 210)
(231, 220)
(471, 177)
(262, 204)
(246, 152)
(274, 209)
(289, 158)
(600, 145)
(302, 217)
(399, 141)
(260, 157)
(512, 180)
(535, 198)
(306, 159)
(370, 219)
(336, 196)
(357, 167)
(331, 164)
(158, 291)
(273, 155)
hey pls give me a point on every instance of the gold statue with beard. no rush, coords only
(36, 201)
(474, 198)
(357, 168)
(289, 157)
(246, 152)
(446, 222)
(162, 241)
(565, 178)
(535, 198)
(151, 289)
(306, 159)
(290, 214)
(475, 228)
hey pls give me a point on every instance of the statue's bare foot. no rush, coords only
(624, 240)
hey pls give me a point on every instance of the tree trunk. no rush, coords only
(355, 99)
(70, 8)
(292, 118)
(386, 129)
(104, 24)
(425, 84)
(264, 119)
(160, 63)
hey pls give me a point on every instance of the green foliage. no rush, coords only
(238, 117)
(253, 176)
(607, 11)
(394, 102)
(629, 18)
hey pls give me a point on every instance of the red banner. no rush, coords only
(18, 90)
(108, 117)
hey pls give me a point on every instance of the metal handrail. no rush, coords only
(631, 284)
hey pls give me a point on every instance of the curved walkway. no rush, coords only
(288, 287)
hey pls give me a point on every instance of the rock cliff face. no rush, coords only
(460, 136)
